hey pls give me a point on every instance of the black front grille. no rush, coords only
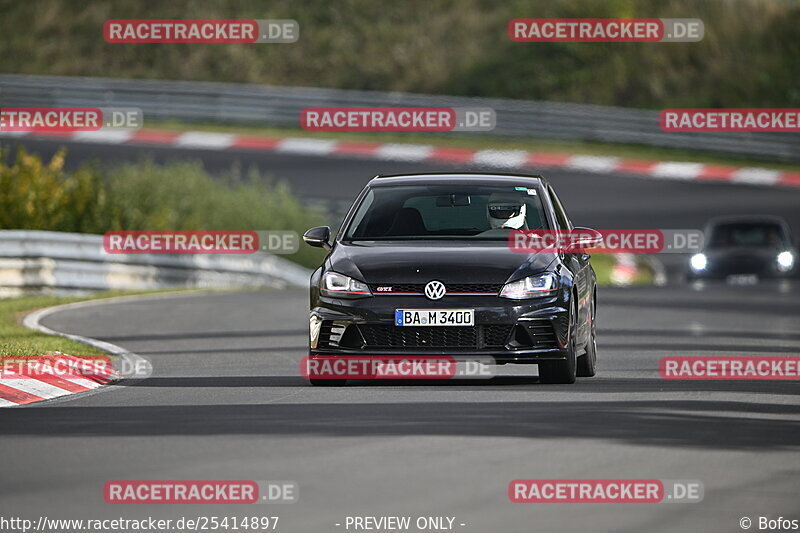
(390, 336)
(325, 334)
(338, 335)
(473, 287)
(386, 336)
(542, 333)
(450, 288)
(496, 335)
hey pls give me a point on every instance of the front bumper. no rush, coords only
(510, 331)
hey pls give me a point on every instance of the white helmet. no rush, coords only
(506, 211)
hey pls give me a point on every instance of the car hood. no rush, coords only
(480, 262)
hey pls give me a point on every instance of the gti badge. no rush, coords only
(434, 290)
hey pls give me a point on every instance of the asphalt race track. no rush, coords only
(226, 402)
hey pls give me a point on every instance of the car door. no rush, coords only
(578, 263)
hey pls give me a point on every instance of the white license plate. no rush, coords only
(434, 317)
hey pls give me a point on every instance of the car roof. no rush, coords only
(495, 178)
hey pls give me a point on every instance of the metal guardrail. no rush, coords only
(230, 103)
(64, 263)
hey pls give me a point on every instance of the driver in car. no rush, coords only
(506, 212)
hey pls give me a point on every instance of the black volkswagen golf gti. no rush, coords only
(412, 244)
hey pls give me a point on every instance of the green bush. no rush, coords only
(35, 195)
(145, 196)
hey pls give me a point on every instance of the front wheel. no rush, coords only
(563, 371)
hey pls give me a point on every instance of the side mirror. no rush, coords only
(586, 238)
(318, 237)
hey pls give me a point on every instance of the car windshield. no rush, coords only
(748, 234)
(462, 211)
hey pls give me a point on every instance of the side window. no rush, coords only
(561, 215)
(357, 225)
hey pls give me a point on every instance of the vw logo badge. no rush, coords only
(434, 290)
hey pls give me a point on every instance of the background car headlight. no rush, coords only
(531, 287)
(785, 261)
(699, 262)
(341, 286)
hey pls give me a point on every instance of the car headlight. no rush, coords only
(531, 287)
(699, 262)
(341, 286)
(785, 261)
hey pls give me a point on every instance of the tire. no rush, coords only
(587, 363)
(327, 382)
(565, 371)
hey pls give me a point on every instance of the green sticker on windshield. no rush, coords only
(520, 188)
